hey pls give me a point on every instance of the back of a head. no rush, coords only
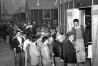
(44, 38)
(59, 37)
(69, 34)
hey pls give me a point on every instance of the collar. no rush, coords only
(77, 27)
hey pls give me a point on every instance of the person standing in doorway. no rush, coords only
(78, 31)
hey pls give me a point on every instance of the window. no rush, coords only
(46, 14)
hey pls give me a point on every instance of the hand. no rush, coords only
(62, 60)
(52, 54)
(19, 45)
(77, 50)
(15, 50)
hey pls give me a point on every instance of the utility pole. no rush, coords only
(0, 10)
(92, 27)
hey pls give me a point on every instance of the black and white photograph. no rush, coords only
(48, 32)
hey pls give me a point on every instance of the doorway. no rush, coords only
(87, 22)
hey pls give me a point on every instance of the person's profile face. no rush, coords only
(76, 24)
(72, 37)
(51, 39)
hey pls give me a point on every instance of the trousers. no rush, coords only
(20, 59)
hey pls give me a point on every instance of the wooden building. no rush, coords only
(41, 11)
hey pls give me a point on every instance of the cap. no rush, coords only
(69, 34)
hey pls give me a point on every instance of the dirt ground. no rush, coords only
(6, 55)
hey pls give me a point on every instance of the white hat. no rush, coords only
(42, 33)
(31, 25)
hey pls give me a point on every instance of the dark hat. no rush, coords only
(18, 30)
(76, 20)
(69, 34)
(24, 32)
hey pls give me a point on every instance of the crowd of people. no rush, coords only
(42, 47)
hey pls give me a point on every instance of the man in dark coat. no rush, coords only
(58, 51)
(17, 44)
(69, 50)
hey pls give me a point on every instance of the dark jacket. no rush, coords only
(69, 52)
(58, 49)
(15, 44)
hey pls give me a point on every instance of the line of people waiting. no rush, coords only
(50, 49)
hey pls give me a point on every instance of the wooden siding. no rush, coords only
(37, 16)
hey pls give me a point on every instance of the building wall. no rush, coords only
(95, 2)
(23, 16)
(82, 3)
(37, 16)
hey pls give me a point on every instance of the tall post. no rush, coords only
(92, 25)
(0, 10)
(19, 13)
(73, 4)
(60, 17)
(64, 17)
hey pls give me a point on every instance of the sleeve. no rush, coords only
(66, 50)
(83, 32)
(25, 45)
(28, 49)
(47, 53)
(13, 43)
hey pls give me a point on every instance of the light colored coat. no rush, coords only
(45, 52)
(34, 54)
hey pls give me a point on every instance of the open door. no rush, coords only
(71, 15)
(95, 35)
